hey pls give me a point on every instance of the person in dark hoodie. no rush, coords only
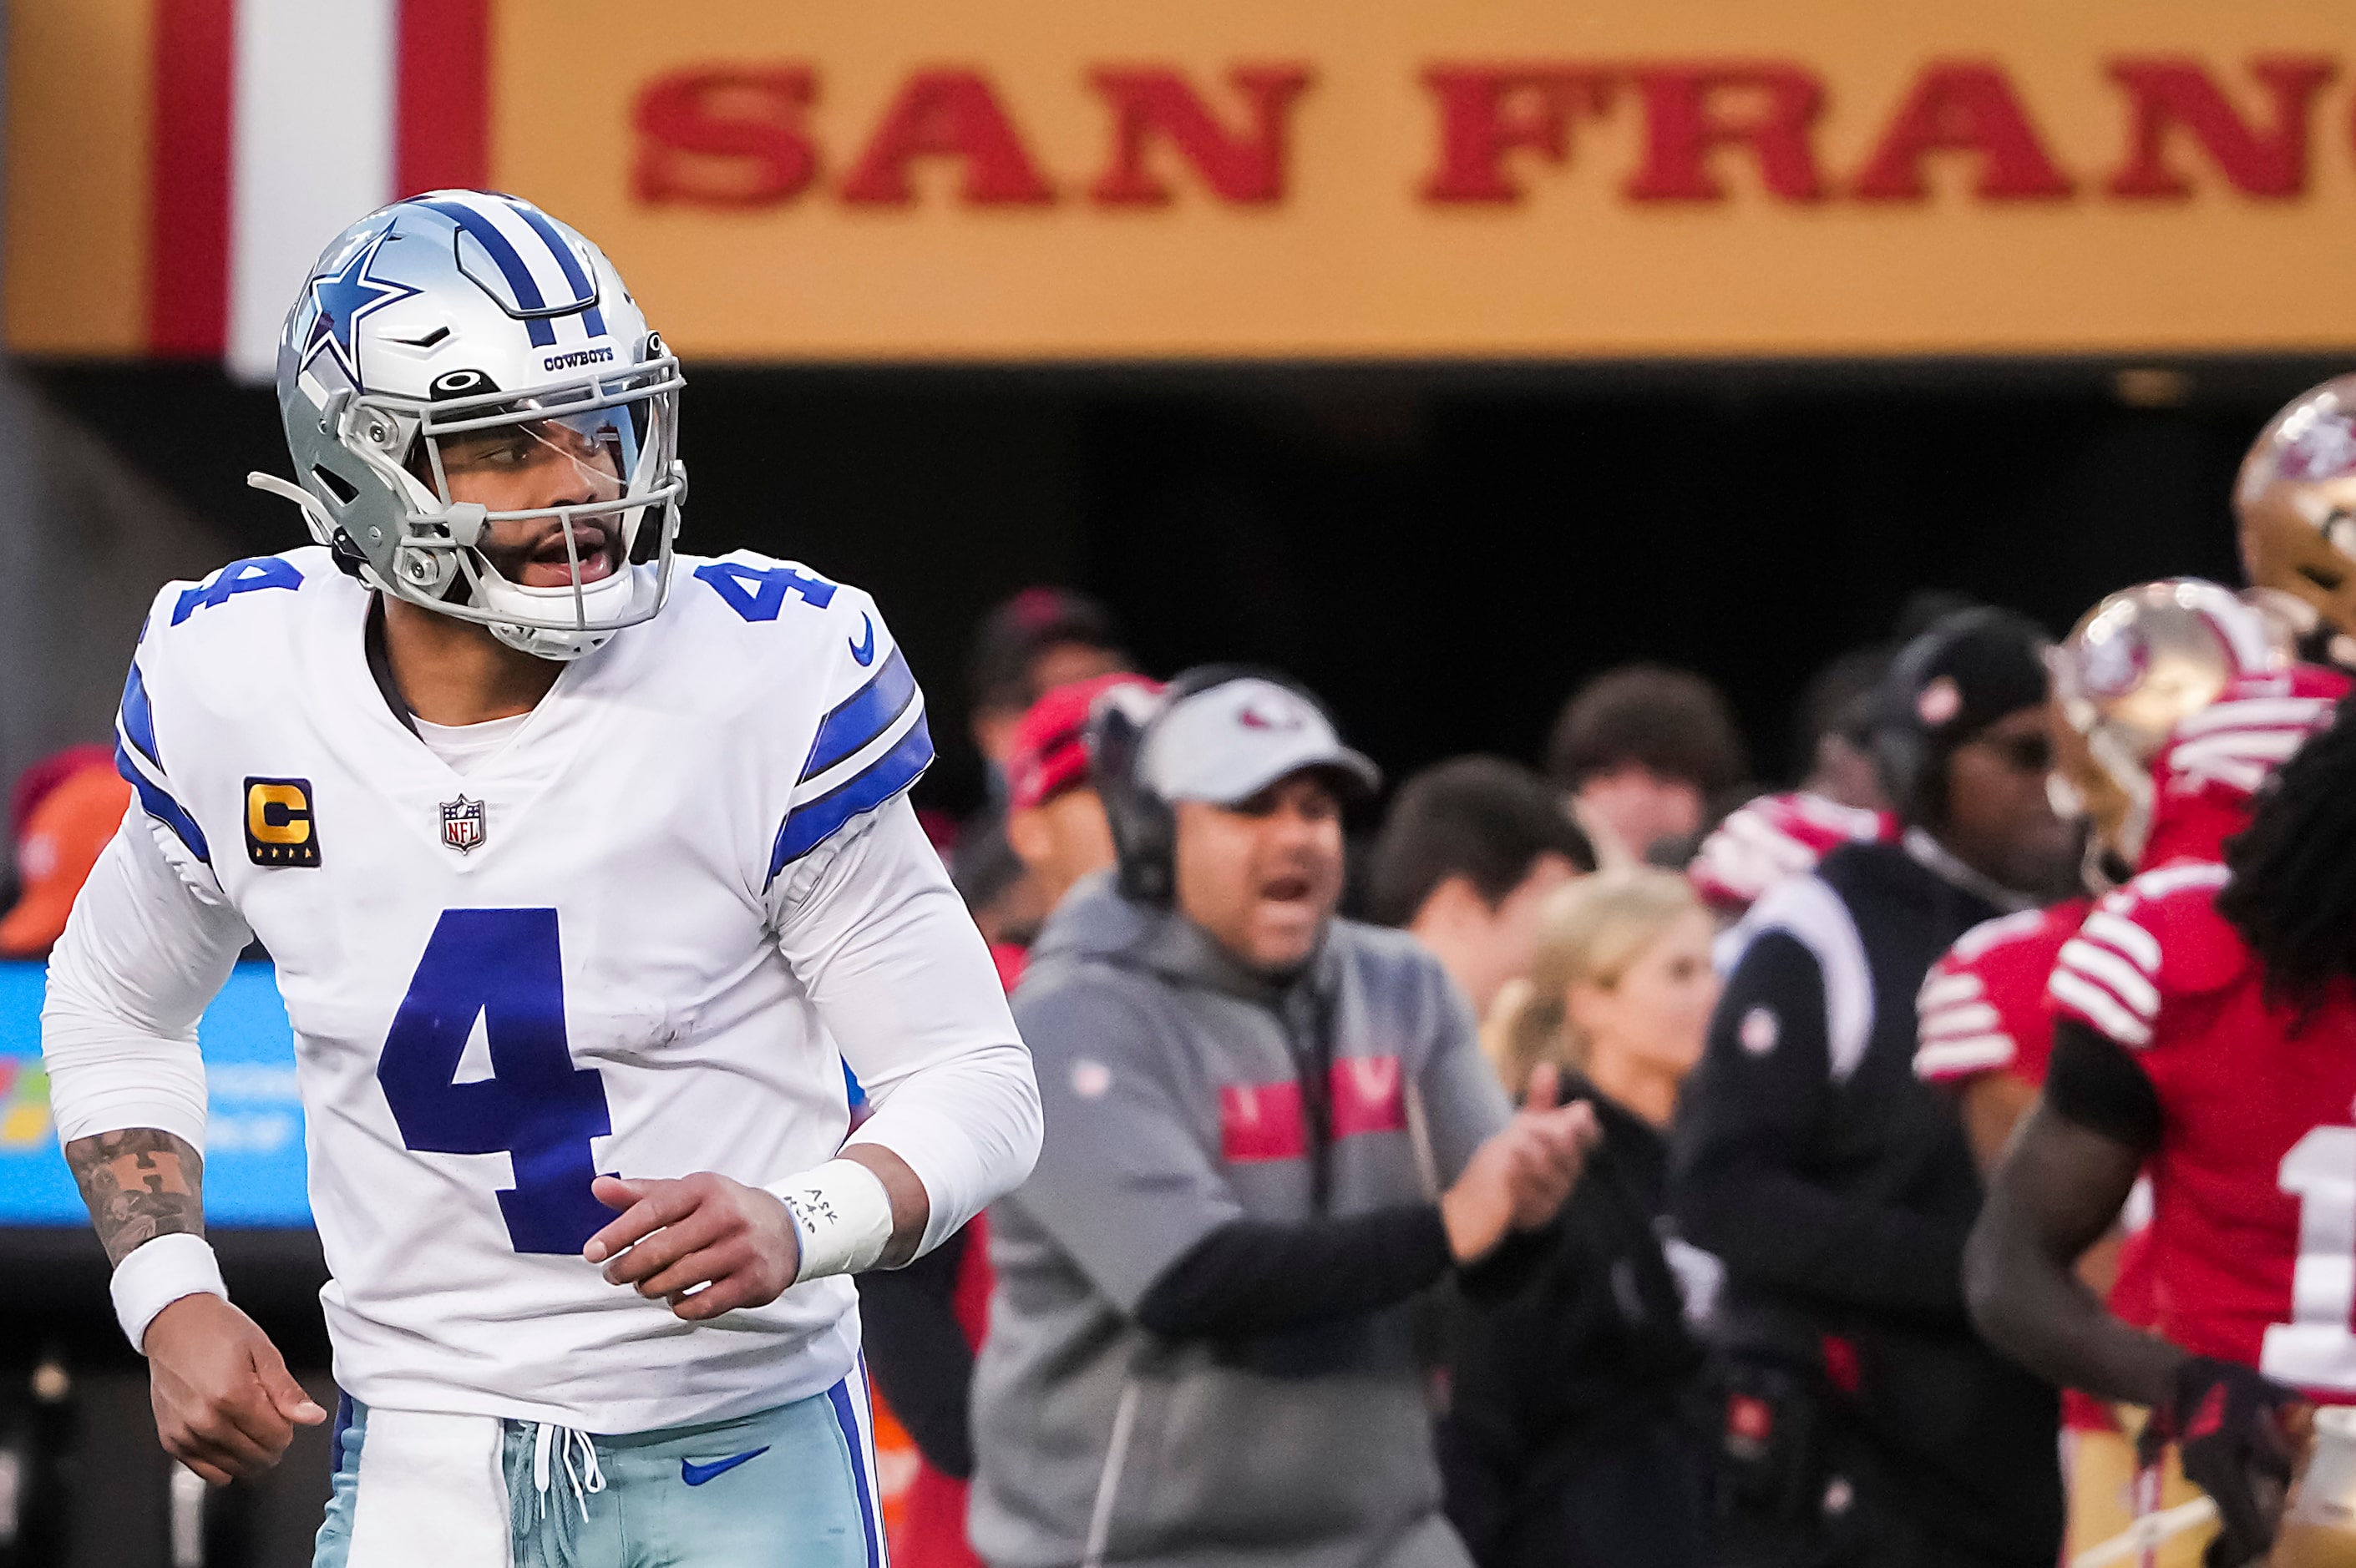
(1573, 1438)
(1868, 1421)
(1268, 1130)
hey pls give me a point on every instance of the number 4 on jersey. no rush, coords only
(501, 965)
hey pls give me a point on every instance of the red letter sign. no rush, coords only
(1962, 106)
(729, 136)
(1487, 111)
(2164, 92)
(950, 113)
(1685, 118)
(1245, 168)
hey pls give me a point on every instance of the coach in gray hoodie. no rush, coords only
(1267, 1130)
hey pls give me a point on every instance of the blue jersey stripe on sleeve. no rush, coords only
(160, 805)
(138, 719)
(859, 719)
(813, 822)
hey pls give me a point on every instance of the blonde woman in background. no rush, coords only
(1575, 1436)
(1619, 991)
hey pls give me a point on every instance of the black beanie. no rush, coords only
(1970, 668)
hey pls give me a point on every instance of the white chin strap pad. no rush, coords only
(602, 603)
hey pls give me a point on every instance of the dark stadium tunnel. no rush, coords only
(1443, 551)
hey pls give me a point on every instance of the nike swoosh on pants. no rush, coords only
(695, 1474)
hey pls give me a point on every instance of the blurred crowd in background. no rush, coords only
(1702, 1298)
(1748, 1337)
(1574, 907)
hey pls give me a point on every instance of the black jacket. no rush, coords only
(1592, 1347)
(1838, 1190)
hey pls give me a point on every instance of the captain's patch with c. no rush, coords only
(279, 827)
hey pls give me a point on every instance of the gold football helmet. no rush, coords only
(2139, 664)
(2295, 501)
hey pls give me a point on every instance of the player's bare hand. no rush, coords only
(729, 1244)
(225, 1405)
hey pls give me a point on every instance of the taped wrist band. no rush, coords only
(158, 1273)
(844, 1216)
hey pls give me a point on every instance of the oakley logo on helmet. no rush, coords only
(458, 383)
(577, 358)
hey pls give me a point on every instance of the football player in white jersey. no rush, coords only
(585, 868)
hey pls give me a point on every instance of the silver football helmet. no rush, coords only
(2135, 667)
(454, 337)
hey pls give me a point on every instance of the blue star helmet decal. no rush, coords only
(345, 295)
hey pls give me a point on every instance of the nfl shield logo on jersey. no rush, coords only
(462, 824)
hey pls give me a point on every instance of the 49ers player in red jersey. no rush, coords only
(2207, 1033)
(2138, 666)
(2173, 701)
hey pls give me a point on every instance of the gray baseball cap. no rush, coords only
(1227, 742)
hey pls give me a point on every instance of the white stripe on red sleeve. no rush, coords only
(2098, 1006)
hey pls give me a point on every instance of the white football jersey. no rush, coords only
(608, 947)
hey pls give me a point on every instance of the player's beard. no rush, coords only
(542, 561)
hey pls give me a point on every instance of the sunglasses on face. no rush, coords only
(2022, 753)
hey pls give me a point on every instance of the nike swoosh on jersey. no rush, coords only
(695, 1475)
(864, 652)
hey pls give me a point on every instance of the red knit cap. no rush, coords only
(1051, 752)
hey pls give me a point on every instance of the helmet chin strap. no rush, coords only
(559, 643)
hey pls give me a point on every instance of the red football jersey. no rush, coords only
(1983, 1006)
(2253, 1238)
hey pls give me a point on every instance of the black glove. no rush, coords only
(2226, 1422)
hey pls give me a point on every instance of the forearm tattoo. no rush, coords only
(139, 1184)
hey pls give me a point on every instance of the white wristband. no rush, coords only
(844, 1216)
(158, 1273)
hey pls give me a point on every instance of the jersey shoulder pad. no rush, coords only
(748, 625)
(2237, 742)
(1982, 1007)
(778, 601)
(763, 625)
(215, 646)
(1773, 837)
(243, 605)
(2010, 941)
(2157, 940)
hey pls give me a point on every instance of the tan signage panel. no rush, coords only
(1086, 179)
(1430, 178)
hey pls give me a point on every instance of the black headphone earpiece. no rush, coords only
(1144, 830)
